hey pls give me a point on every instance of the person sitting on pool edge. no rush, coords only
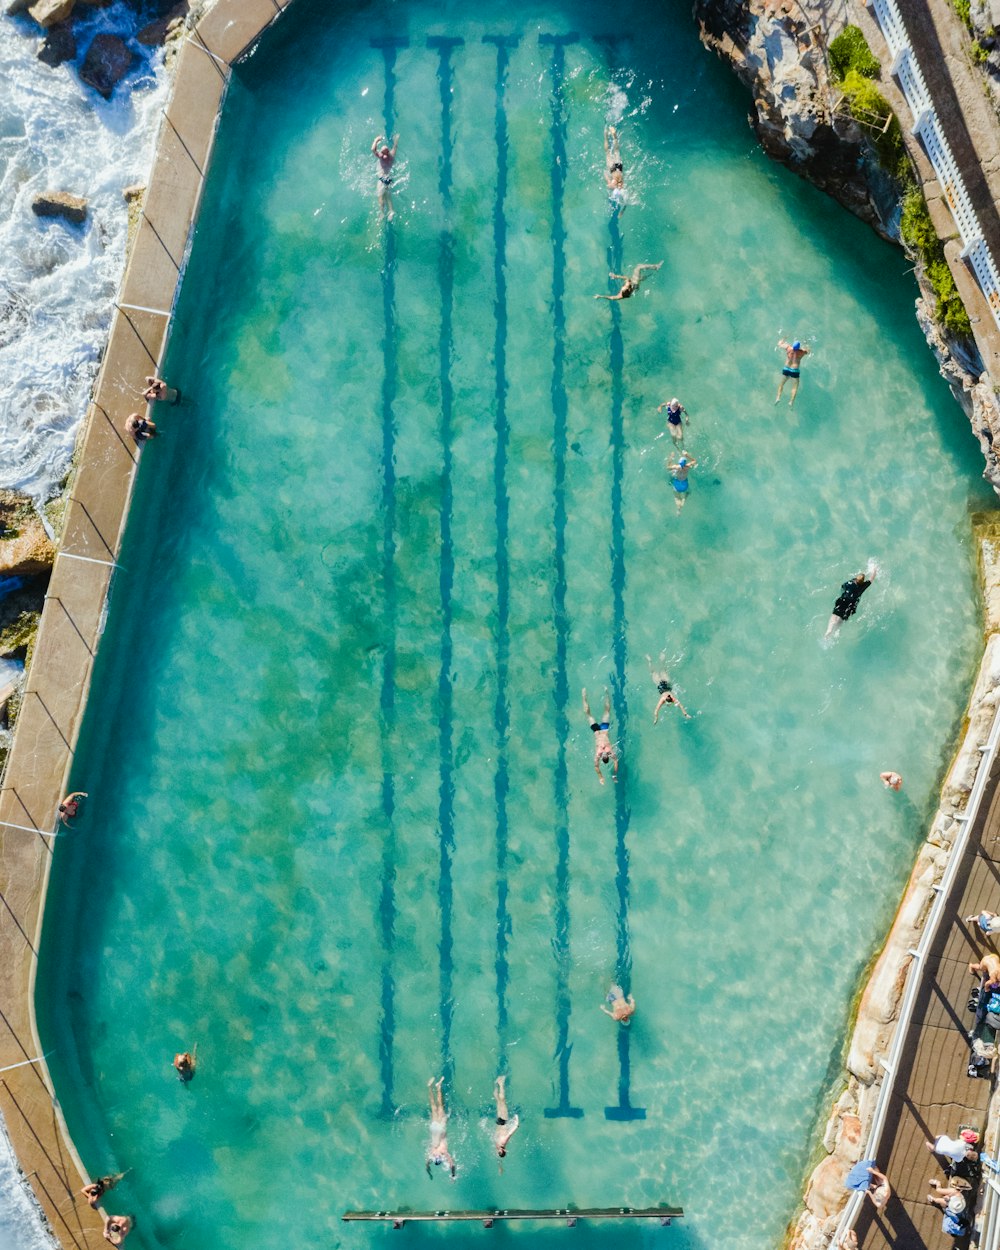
(139, 427)
(629, 284)
(604, 749)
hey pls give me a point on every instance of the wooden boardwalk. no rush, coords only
(933, 1092)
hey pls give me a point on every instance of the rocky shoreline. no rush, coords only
(779, 50)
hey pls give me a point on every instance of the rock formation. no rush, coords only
(108, 60)
(25, 547)
(60, 204)
(59, 45)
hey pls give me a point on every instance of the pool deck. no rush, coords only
(933, 1094)
(41, 756)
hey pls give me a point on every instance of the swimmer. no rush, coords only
(629, 284)
(679, 477)
(506, 1125)
(676, 418)
(604, 750)
(437, 1151)
(96, 1190)
(614, 174)
(988, 969)
(891, 781)
(70, 805)
(793, 359)
(185, 1064)
(661, 679)
(117, 1228)
(879, 1189)
(621, 1008)
(139, 427)
(847, 603)
(157, 390)
(385, 157)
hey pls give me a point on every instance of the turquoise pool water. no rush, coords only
(344, 831)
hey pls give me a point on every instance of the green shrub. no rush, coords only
(850, 51)
(919, 234)
(964, 10)
(872, 110)
(978, 53)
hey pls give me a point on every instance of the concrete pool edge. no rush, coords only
(72, 622)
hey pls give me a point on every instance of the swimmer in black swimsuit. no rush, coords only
(614, 173)
(661, 679)
(604, 749)
(676, 418)
(847, 603)
(138, 426)
(506, 1125)
(385, 157)
(629, 284)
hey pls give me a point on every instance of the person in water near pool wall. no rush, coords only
(437, 1151)
(661, 679)
(847, 603)
(185, 1064)
(506, 1125)
(138, 426)
(793, 359)
(620, 1008)
(604, 750)
(385, 157)
(614, 173)
(891, 780)
(679, 477)
(629, 284)
(117, 1228)
(676, 418)
(158, 391)
(96, 1190)
(70, 805)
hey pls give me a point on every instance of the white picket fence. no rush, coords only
(927, 127)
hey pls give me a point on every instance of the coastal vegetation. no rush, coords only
(855, 67)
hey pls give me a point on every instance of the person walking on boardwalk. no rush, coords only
(604, 749)
(792, 367)
(850, 596)
(506, 1125)
(960, 1149)
(630, 283)
(614, 173)
(437, 1151)
(661, 679)
(676, 418)
(988, 922)
(385, 156)
(679, 477)
(617, 1006)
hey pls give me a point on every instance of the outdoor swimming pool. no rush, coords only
(344, 831)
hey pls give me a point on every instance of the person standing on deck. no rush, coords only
(385, 157)
(604, 749)
(793, 359)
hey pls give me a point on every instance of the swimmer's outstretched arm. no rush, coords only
(619, 277)
(614, 768)
(656, 710)
(375, 142)
(683, 709)
(610, 297)
(395, 145)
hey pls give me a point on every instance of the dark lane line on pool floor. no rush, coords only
(561, 938)
(501, 709)
(446, 793)
(387, 699)
(623, 967)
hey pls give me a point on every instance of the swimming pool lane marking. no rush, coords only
(387, 697)
(623, 967)
(501, 503)
(561, 941)
(446, 793)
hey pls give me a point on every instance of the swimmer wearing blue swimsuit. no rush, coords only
(793, 358)
(679, 477)
(604, 749)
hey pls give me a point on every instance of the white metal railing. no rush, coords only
(927, 127)
(941, 901)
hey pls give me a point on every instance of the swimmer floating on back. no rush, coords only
(793, 359)
(661, 679)
(629, 284)
(614, 173)
(437, 1151)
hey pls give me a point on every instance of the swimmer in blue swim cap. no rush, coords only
(793, 359)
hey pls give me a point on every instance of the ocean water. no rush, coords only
(58, 281)
(342, 791)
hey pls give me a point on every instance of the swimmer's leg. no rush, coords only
(607, 706)
(677, 434)
(795, 391)
(586, 708)
(781, 387)
(388, 200)
(679, 497)
(637, 272)
(835, 624)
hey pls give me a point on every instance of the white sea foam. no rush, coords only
(57, 281)
(21, 1224)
